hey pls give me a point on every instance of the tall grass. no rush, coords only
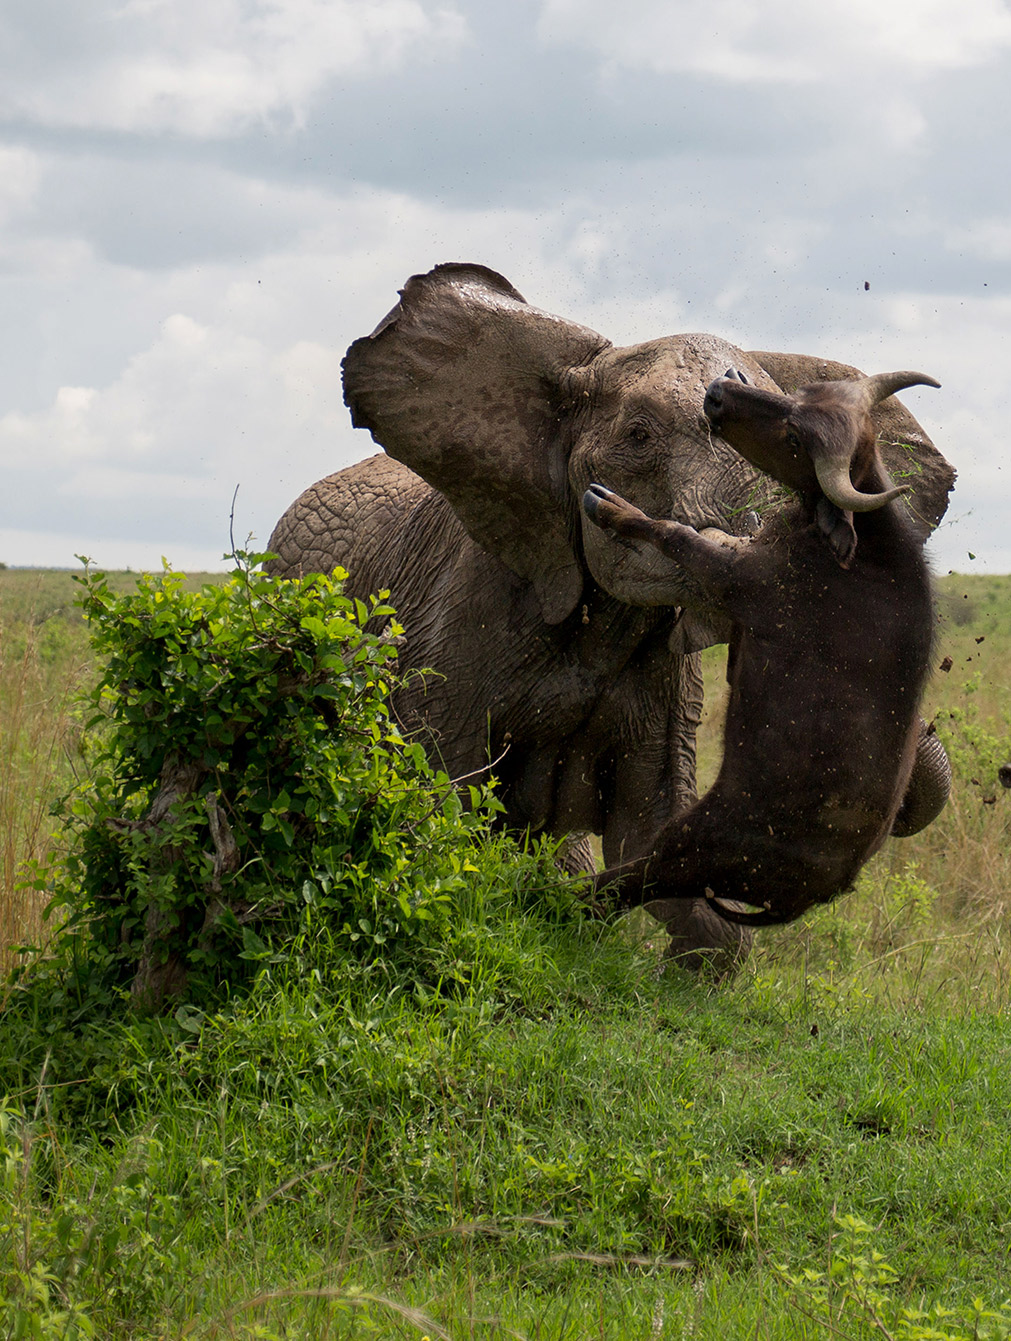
(43, 659)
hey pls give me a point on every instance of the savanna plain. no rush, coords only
(550, 1136)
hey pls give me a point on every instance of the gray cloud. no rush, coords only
(204, 70)
(149, 215)
(202, 204)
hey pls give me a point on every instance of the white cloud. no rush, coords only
(173, 312)
(214, 67)
(20, 174)
(989, 239)
(59, 549)
(240, 383)
(181, 407)
(158, 451)
(782, 40)
(960, 341)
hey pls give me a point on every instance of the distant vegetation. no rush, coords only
(501, 1120)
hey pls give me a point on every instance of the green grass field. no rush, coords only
(574, 1144)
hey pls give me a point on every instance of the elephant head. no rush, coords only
(510, 412)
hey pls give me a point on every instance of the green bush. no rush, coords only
(250, 796)
(976, 750)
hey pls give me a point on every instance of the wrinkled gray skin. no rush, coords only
(569, 659)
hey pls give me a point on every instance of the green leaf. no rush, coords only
(252, 946)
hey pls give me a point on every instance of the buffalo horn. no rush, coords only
(881, 385)
(833, 475)
(834, 480)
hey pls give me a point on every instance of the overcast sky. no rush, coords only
(203, 202)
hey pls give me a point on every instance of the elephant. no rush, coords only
(558, 653)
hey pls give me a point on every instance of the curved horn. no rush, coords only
(881, 385)
(833, 474)
(834, 481)
(764, 918)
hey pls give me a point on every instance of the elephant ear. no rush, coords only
(463, 382)
(909, 455)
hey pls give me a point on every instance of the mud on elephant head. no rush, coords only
(549, 634)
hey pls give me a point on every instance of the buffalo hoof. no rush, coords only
(592, 499)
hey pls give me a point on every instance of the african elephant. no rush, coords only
(558, 652)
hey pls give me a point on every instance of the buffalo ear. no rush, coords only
(461, 382)
(909, 455)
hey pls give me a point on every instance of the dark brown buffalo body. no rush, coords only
(833, 618)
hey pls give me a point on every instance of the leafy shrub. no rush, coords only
(250, 790)
(975, 749)
(859, 1292)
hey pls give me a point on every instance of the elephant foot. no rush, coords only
(701, 940)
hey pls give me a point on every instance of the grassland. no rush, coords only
(573, 1144)
(45, 659)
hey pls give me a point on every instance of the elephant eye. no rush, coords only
(639, 433)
